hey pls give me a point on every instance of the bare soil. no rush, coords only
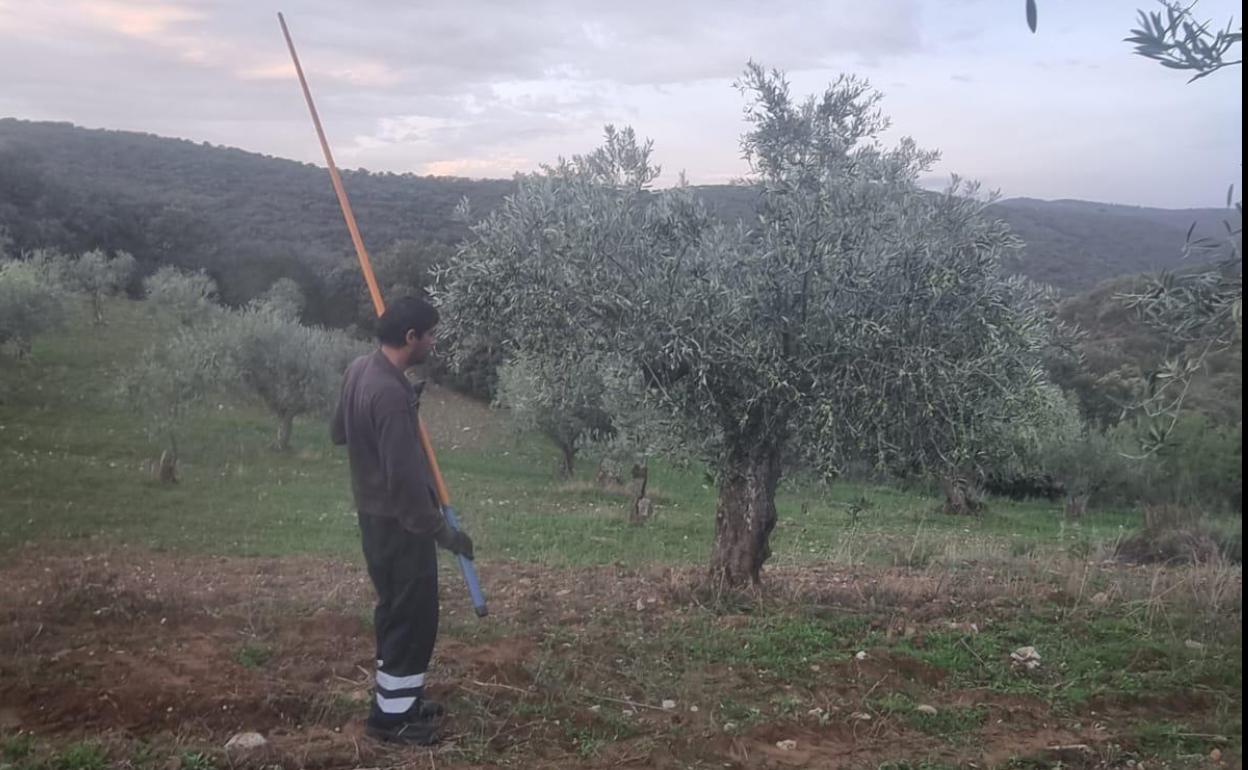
(180, 652)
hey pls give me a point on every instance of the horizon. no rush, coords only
(1068, 112)
(320, 164)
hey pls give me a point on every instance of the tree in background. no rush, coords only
(31, 303)
(188, 297)
(170, 379)
(96, 276)
(561, 396)
(284, 298)
(857, 309)
(293, 370)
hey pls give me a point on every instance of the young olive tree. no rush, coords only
(30, 304)
(97, 276)
(292, 369)
(190, 297)
(857, 316)
(559, 396)
(169, 379)
(284, 298)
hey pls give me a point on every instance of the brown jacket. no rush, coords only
(376, 421)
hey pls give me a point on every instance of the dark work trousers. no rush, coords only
(404, 570)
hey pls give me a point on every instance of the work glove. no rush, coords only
(455, 541)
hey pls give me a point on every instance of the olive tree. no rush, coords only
(1200, 313)
(284, 298)
(857, 316)
(294, 370)
(190, 297)
(97, 276)
(559, 396)
(1176, 39)
(169, 379)
(30, 304)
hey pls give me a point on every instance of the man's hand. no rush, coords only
(455, 541)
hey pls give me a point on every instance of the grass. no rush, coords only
(74, 466)
(1169, 740)
(778, 647)
(254, 655)
(82, 756)
(17, 747)
(1083, 658)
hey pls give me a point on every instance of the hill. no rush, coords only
(1075, 245)
(250, 218)
(1117, 351)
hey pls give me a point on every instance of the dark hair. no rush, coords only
(404, 315)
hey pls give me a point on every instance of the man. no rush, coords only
(400, 518)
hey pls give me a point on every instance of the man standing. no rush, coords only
(400, 518)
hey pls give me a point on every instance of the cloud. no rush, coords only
(150, 22)
(496, 86)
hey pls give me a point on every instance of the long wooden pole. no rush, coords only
(366, 266)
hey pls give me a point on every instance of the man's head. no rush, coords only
(405, 330)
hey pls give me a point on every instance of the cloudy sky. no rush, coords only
(488, 88)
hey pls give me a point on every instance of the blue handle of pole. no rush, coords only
(468, 569)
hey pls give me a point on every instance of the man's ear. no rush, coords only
(411, 337)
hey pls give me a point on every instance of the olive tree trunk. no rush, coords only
(168, 469)
(567, 459)
(285, 423)
(962, 495)
(745, 517)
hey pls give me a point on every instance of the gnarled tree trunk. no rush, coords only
(962, 495)
(567, 459)
(285, 423)
(1076, 504)
(642, 507)
(745, 516)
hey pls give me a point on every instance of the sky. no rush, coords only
(488, 88)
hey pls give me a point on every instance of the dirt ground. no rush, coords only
(181, 652)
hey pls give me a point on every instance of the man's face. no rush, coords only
(420, 346)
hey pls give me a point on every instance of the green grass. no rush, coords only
(1169, 740)
(254, 655)
(17, 747)
(1083, 657)
(72, 467)
(82, 756)
(781, 647)
(194, 760)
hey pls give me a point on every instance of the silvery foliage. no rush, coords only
(283, 298)
(191, 297)
(561, 398)
(858, 312)
(1201, 313)
(96, 276)
(31, 302)
(293, 370)
(167, 381)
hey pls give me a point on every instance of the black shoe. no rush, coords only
(425, 710)
(423, 733)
